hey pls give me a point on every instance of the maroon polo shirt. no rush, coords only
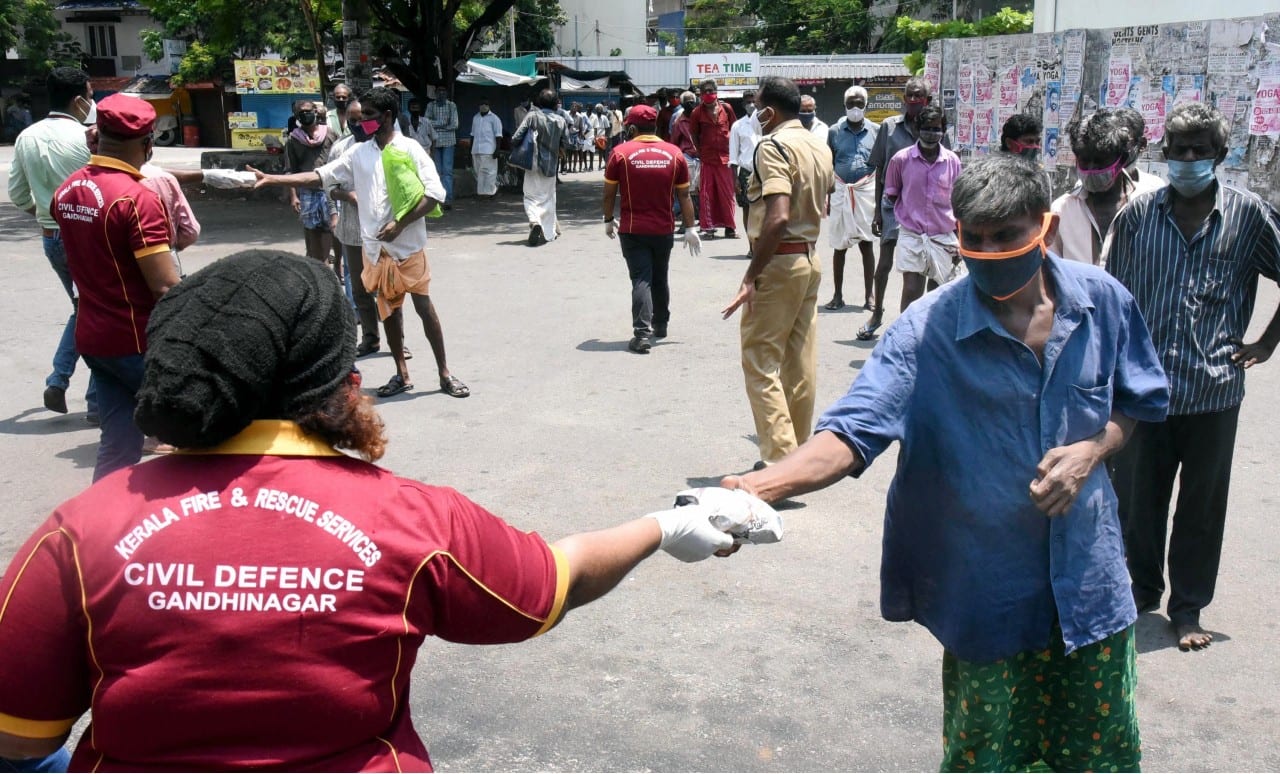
(647, 172)
(259, 604)
(109, 221)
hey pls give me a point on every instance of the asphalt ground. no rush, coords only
(773, 660)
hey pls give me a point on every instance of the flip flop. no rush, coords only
(834, 304)
(394, 386)
(454, 387)
(868, 331)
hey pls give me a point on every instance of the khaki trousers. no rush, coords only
(780, 353)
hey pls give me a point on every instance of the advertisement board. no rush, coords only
(275, 76)
(730, 71)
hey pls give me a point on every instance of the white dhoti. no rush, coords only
(852, 208)
(486, 167)
(933, 256)
(540, 202)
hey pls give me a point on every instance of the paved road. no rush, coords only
(774, 660)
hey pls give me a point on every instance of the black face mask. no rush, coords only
(357, 131)
(307, 118)
(341, 104)
(689, 106)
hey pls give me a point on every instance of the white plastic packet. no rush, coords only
(744, 516)
(229, 178)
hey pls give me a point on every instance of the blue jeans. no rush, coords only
(119, 379)
(443, 157)
(64, 357)
(56, 762)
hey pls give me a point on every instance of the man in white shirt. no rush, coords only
(395, 250)
(1102, 144)
(744, 135)
(809, 118)
(486, 131)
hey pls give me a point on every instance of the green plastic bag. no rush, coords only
(404, 187)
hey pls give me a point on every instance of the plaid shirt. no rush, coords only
(445, 120)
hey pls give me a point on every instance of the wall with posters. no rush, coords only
(1233, 64)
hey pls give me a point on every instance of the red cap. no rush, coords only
(641, 115)
(126, 117)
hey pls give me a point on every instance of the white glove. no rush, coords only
(744, 516)
(687, 533)
(692, 242)
(611, 228)
(228, 178)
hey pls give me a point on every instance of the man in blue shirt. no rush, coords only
(852, 203)
(1006, 390)
(1191, 253)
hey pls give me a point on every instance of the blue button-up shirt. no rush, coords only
(1197, 296)
(966, 552)
(850, 150)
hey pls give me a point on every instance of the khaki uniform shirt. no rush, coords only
(804, 173)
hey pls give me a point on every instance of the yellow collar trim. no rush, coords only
(113, 163)
(273, 437)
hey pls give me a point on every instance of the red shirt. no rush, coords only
(682, 136)
(647, 172)
(110, 220)
(260, 604)
(712, 133)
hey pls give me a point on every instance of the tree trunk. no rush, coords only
(309, 15)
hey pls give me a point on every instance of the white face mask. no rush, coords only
(855, 114)
(756, 128)
(91, 117)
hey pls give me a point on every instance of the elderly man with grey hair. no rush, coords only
(1191, 253)
(852, 203)
(1006, 390)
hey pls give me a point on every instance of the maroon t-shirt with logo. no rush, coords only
(647, 171)
(109, 221)
(257, 606)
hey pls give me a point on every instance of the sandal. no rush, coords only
(868, 331)
(834, 304)
(407, 354)
(453, 387)
(394, 386)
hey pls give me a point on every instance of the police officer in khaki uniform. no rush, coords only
(779, 292)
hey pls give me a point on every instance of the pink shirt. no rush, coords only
(923, 190)
(184, 229)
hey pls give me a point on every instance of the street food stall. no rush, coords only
(268, 89)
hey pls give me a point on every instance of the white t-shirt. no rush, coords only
(360, 169)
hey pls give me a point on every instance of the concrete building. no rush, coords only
(111, 33)
(1054, 15)
(596, 28)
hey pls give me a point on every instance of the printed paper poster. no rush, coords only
(1151, 104)
(965, 83)
(1009, 88)
(964, 126)
(1119, 71)
(1265, 118)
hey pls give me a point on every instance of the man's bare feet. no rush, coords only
(1192, 637)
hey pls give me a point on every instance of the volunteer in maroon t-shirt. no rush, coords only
(647, 172)
(116, 232)
(258, 599)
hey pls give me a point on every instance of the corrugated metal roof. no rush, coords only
(834, 71)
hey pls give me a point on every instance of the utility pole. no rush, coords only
(355, 46)
(577, 47)
(597, 37)
(511, 30)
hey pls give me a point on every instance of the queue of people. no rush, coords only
(1089, 349)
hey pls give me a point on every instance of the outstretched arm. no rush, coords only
(820, 462)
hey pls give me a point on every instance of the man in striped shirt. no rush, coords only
(1191, 255)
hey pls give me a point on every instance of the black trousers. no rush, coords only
(1143, 473)
(648, 259)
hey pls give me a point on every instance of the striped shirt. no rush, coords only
(444, 119)
(1197, 297)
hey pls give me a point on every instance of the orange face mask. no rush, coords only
(1002, 275)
